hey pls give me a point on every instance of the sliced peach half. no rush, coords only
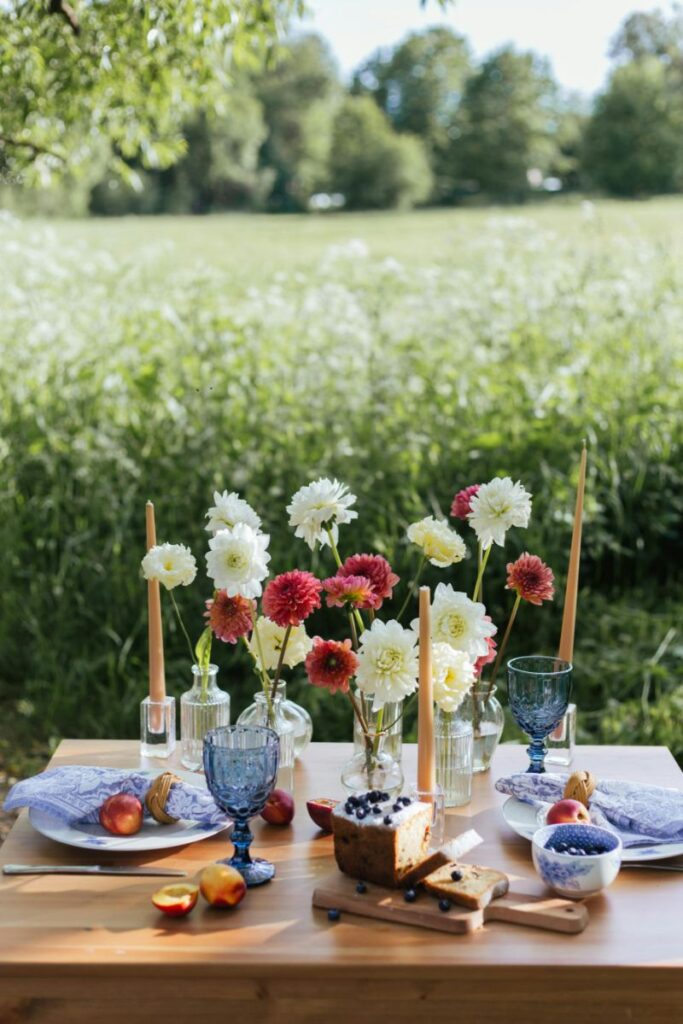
(320, 811)
(176, 900)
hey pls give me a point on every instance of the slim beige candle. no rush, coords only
(157, 681)
(425, 717)
(566, 650)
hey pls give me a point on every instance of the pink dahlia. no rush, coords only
(352, 590)
(331, 663)
(461, 506)
(531, 578)
(487, 658)
(291, 597)
(375, 569)
(230, 617)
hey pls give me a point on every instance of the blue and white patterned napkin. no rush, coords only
(642, 815)
(74, 793)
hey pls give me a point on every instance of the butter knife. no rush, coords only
(87, 869)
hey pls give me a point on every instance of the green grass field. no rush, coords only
(409, 354)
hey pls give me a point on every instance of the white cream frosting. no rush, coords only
(398, 818)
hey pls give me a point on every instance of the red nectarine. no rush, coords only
(568, 812)
(279, 809)
(121, 814)
(222, 886)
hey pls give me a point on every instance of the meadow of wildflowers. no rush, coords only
(130, 371)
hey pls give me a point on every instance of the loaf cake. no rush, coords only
(452, 851)
(380, 839)
(468, 884)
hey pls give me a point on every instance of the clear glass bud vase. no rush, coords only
(372, 768)
(483, 710)
(271, 713)
(202, 708)
(301, 721)
(389, 722)
(454, 747)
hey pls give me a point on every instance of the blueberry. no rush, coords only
(387, 819)
(444, 905)
(361, 888)
(410, 895)
(353, 800)
(384, 797)
(397, 807)
(456, 875)
(405, 800)
(361, 813)
(333, 914)
(376, 809)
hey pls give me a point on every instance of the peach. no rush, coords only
(222, 886)
(568, 812)
(176, 900)
(320, 811)
(279, 809)
(121, 814)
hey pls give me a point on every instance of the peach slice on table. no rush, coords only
(222, 885)
(320, 812)
(176, 900)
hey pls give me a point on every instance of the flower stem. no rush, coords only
(265, 681)
(413, 587)
(378, 730)
(333, 546)
(503, 644)
(280, 661)
(182, 626)
(480, 574)
(354, 634)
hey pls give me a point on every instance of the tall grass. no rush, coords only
(122, 379)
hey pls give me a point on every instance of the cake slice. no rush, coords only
(452, 851)
(468, 884)
(379, 839)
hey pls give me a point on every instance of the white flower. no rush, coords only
(452, 675)
(230, 510)
(170, 565)
(238, 559)
(271, 637)
(321, 505)
(387, 662)
(439, 542)
(458, 621)
(496, 507)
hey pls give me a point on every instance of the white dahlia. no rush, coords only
(459, 621)
(237, 561)
(169, 564)
(496, 507)
(271, 637)
(321, 505)
(438, 541)
(388, 662)
(228, 511)
(452, 674)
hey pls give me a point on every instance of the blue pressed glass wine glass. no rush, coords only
(240, 763)
(538, 691)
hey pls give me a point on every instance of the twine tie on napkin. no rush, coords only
(580, 786)
(157, 796)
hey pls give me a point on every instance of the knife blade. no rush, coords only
(652, 867)
(87, 869)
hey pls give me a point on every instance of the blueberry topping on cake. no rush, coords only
(388, 819)
(444, 905)
(361, 813)
(333, 914)
(376, 809)
(405, 800)
(456, 875)
(361, 888)
(410, 895)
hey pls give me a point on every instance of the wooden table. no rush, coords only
(73, 948)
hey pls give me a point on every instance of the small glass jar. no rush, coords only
(372, 768)
(271, 713)
(202, 708)
(454, 747)
(482, 708)
(390, 725)
(301, 721)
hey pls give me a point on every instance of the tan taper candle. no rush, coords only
(566, 650)
(157, 680)
(425, 718)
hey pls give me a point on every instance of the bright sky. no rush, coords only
(574, 34)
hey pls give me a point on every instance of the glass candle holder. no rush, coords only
(435, 797)
(157, 727)
(561, 741)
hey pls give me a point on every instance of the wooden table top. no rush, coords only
(60, 926)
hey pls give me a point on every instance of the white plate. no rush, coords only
(152, 835)
(524, 819)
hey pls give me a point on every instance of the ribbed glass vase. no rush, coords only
(453, 742)
(205, 706)
(271, 713)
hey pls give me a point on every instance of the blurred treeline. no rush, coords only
(420, 123)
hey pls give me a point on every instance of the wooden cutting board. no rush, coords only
(338, 891)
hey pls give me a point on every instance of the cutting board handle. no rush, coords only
(553, 914)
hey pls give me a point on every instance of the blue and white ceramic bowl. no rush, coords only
(576, 860)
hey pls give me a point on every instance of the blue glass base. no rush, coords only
(255, 872)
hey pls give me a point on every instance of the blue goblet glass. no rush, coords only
(538, 691)
(240, 763)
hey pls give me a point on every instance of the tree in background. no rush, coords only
(80, 76)
(508, 117)
(372, 165)
(419, 86)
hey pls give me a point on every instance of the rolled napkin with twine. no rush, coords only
(75, 793)
(642, 815)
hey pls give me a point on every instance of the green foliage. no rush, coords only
(370, 164)
(492, 346)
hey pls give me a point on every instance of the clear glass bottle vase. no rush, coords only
(483, 710)
(372, 768)
(301, 721)
(205, 706)
(389, 722)
(454, 748)
(271, 713)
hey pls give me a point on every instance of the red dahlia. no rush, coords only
(230, 617)
(461, 506)
(375, 569)
(531, 578)
(349, 590)
(291, 597)
(331, 663)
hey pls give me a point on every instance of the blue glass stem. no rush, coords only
(242, 840)
(536, 752)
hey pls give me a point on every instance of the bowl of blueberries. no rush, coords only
(576, 860)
